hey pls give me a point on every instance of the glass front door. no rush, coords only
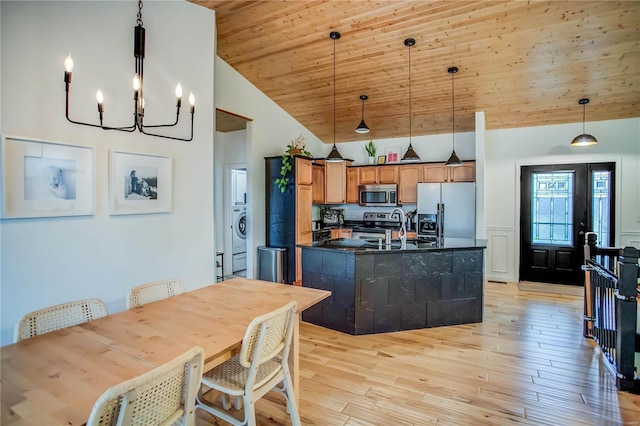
(559, 203)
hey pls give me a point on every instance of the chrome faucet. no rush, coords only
(402, 233)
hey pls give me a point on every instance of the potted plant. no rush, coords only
(371, 151)
(296, 147)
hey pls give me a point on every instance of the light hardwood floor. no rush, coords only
(526, 363)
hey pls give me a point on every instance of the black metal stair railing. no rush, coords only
(610, 308)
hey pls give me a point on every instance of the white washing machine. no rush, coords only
(239, 238)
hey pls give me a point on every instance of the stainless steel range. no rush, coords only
(374, 224)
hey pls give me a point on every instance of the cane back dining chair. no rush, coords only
(59, 316)
(153, 291)
(162, 396)
(261, 365)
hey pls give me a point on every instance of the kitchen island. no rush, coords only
(377, 288)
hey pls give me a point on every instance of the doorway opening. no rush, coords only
(558, 205)
(232, 217)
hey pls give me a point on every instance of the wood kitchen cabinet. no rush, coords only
(408, 178)
(438, 172)
(318, 184)
(378, 174)
(335, 182)
(410, 235)
(304, 233)
(464, 173)
(304, 171)
(289, 213)
(341, 233)
(387, 174)
(352, 185)
(367, 175)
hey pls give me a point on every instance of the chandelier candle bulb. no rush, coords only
(68, 66)
(100, 100)
(68, 63)
(178, 95)
(192, 102)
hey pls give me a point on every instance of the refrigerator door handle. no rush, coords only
(440, 221)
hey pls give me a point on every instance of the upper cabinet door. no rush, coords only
(352, 185)
(335, 183)
(408, 178)
(318, 184)
(368, 175)
(464, 173)
(304, 172)
(434, 173)
(387, 174)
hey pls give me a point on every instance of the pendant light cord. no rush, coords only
(584, 106)
(409, 95)
(453, 113)
(334, 93)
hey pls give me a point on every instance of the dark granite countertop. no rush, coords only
(367, 246)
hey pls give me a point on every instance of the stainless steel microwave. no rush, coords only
(378, 195)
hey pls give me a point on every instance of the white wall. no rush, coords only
(268, 134)
(53, 260)
(509, 149)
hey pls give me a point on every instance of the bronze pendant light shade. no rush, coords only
(584, 139)
(453, 160)
(410, 155)
(334, 154)
(362, 127)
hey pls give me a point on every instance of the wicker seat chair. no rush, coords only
(261, 365)
(59, 316)
(153, 291)
(162, 396)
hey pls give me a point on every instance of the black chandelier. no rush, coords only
(138, 96)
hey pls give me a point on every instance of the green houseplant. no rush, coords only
(296, 147)
(371, 151)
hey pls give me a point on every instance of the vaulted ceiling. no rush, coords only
(523, 63)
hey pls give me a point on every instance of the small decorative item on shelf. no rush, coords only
(296, 147)
(382, 159)
(371, 151)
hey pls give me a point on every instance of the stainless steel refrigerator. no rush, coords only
(447, 210)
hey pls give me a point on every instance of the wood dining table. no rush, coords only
(55, 378)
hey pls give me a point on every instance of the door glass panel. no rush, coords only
(552, 208)
(601, 214)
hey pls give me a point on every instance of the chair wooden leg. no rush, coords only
(292, 401)
(249, 411)
(237, 402)
(225, 401)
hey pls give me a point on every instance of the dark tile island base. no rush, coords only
(377, 291)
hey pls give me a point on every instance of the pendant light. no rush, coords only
(454, 160)
(410, 155)
(583, 139)
(334, 154)
(362, 127)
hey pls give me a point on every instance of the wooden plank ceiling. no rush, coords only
(523, 63)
